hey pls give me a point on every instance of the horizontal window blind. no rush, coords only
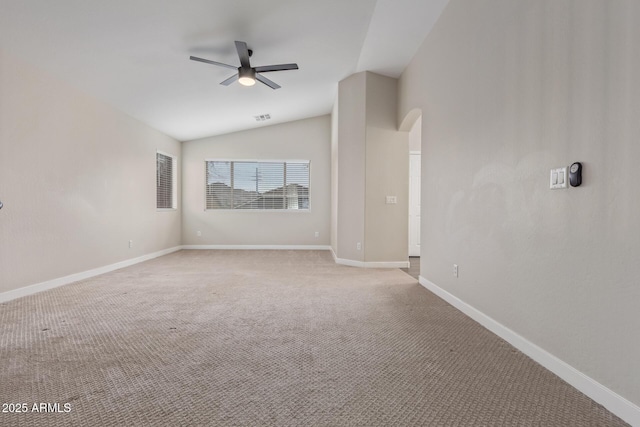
(264, 185)
(165, 181)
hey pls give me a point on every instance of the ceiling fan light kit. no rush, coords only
(247, 75)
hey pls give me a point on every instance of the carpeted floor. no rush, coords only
(267, 338)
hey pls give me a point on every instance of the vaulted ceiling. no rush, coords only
(134, 54)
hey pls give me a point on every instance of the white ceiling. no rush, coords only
(134, 54)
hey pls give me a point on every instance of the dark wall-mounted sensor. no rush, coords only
(575, 174)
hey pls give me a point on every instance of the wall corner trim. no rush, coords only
(369, 264)
(61, 281)
(615, 403)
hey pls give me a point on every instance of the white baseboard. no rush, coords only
(50, 284)
(386, 264)
(369, 264)
(262, 247)
(615, 403)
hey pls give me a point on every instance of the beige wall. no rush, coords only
(387, 174)
(308, 139)
(334, 177)
(351, 166)
(77, 179)
(509, 90)
(372, 163)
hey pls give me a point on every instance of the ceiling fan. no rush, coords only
(247, 75)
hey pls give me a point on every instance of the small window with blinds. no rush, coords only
(257, 185)
(166, 194)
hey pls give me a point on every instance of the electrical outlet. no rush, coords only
(317, 234)
(130, 244)
(359, 246)
(199, 233)
(455, 270)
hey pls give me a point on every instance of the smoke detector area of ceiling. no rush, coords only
(262, 117)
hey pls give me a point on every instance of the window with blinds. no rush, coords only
(165, 181)
(263, 185)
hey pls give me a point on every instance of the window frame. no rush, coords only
(298, 211)
(174, 181)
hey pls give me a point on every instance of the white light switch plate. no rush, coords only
(558, 178)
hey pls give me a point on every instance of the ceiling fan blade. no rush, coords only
(230, 80)
(207, 61)
(279, 67)
(243, 53)
(268, 82)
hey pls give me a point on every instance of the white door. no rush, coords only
(414, 204)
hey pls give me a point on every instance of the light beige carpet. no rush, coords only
(266, 338)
